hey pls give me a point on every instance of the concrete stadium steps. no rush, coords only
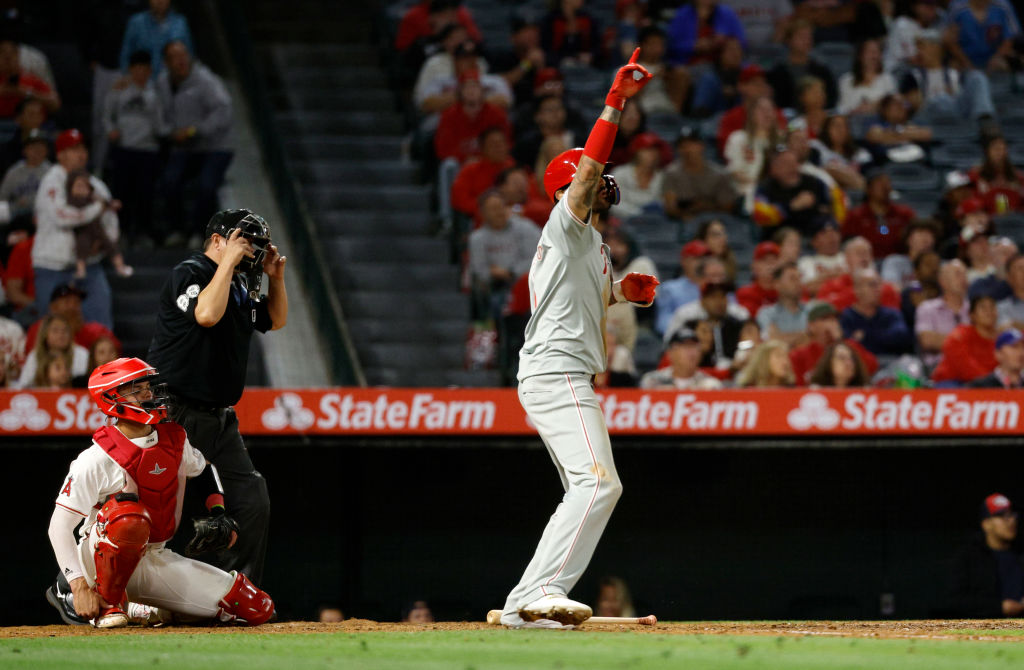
(370, 276)
(419, 249)
(362, 172)
(333, 197)
(437, 331)
(368, 147)
(397, 305)
(372, 222)
(306, 99)
(350, 123)
(414, 356)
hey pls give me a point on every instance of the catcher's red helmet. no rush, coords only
(561, 170)
(105, 381)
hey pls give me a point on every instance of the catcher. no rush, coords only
(128, 488)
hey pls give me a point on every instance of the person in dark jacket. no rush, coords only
(988, 576)
(1009, 374)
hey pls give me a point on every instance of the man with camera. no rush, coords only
(208, 311)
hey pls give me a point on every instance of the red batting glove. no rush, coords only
(629, 80)
(639, 288)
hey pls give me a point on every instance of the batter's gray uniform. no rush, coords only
(570, 286)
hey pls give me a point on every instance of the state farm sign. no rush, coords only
(358, 411)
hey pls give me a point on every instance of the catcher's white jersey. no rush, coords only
(570, 285)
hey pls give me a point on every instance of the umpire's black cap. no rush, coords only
(226, 220)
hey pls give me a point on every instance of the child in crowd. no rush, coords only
(90, 238)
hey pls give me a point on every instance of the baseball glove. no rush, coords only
(212, 534)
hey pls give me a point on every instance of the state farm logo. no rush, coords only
(288, 412)
(24, 413)
(813, 412)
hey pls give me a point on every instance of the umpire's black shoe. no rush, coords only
(59, 595)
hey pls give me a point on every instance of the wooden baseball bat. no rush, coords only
(494, 618)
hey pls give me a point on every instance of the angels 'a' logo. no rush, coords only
(66, 491)
(24, 413)
(288, 412)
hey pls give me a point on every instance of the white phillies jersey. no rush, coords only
(94, 476)
(570, 285)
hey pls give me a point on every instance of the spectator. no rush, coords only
(479, 174)
(768, 367)
(54, 342)
(878, 219)
(716, 89)
(521, 194)
(133, 123)
(786, 319)
(1009, 372)
(996, 181)
(329, 614)
(197, 109)
(969, 350)
(833, 20)
(570, 35)
(764, 22)
(441, 66)
(752, 86)
(667, 92)
(692, 185)
(800, 145)
(714, 234)
(550, 119)
(66, 302)
(613, 598)
(933, 87)
(976, 253)
(436, 89)
(419, 612)
(745, 149)
(761, 291)
(19, 84)
(699, 30)
(12, 351)
(724, 321)
(828, 261)
(981, 43)
(823, 330)
(549, 148)
(626, 258)
(29, 117)
(642, 180)
(918, 236)
(522, 63)
(935, 319)
(958, 189)
(924, 286)
(901, 47)
(462, 124)
(840, 367)
(1011, 308)
(996, 284)
(799, 64)
(152, 31)
(21, 182)
(839, 155)
(791, 244)
(880, 329)
(861, 89)
(893, 128)
(839, 290)
(621, 370)
(987, 579)
(789, 197)
(499, 252)
(91, 238)
(683, 351)
(103, 350)
(685, 288)
(19, 283)
(427, 18)
(810, 106)
(53, 254)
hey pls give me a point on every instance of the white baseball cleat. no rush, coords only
(556, 608)
(144, 615)
(111, 617)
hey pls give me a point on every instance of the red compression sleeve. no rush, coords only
(599, 144)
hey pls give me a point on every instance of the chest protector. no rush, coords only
(154, 469)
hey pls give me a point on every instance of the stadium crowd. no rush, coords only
(827, 190)
(160, 146)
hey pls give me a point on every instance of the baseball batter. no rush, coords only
(570, 290)
(128, 488)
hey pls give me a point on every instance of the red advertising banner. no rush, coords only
(394, 412)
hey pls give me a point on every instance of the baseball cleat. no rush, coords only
(556, 608)
(144, 615)
(63, 604)
(111, 617)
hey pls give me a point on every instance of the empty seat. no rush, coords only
(1011, 225)
(957, 156)
(923, 203)
(913, 177)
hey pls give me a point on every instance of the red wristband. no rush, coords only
(214, 500)
(602, 138)
(615, 100)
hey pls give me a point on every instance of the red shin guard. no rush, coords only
(123, 528)
(245, 603)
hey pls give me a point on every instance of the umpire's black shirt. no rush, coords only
(205, 366)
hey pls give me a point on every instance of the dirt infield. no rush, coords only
(929, 630)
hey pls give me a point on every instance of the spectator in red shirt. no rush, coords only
(969, 351)
(19, 283)
(996, 181)
(878, 219)
(752, 85)
(839, 291)
(522, 195)
(480, 173)
(17, 84)
(823, 330)
(569, 35)
(760, 292)
(66, 302)
(425, 19)
(462, 123)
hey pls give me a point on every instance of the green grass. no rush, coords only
(1012, 632)
(494, 650)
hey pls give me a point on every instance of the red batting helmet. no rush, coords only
(105, 381)
(561, 171)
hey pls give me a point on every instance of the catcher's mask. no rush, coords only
(111, 383)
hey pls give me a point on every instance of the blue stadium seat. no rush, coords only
(665, 125)
(1010, 225)
(838, 56)
(956, 156)
(923, 203)
(912, 177)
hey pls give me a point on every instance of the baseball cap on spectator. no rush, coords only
(957, 179)
(34, 135)
(645, 140)
(1011, 336)
(695, 249)
(970, 206)
(683, 334)
(710, 287)
(930, 225)
(64, 290)
(824, 223)
(690, 134)
(69, 138)
(765, 249)
(752, 71)
(995, 505)
(523, 18)
(471, 74)
(821, 310)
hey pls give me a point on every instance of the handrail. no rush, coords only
(313, 270)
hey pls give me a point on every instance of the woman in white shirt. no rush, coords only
(745, 149)
(54, 340)
(862, 89)
(640, 181)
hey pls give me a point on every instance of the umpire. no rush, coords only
(208, 311)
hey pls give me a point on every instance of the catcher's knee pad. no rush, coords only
(123, 526)
(245, 603)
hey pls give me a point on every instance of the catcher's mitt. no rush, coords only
(212, 534)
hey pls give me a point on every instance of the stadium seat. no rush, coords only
(923, 203)
(956, 156)
(838, 56)
(1011, 225)
(665, 125)
(912, 177)
(767, 55)
(647, 352)
(952, 129)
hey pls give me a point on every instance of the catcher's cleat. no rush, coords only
(62, 602)
(111, 617)
(144, 615)
(556, 608)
